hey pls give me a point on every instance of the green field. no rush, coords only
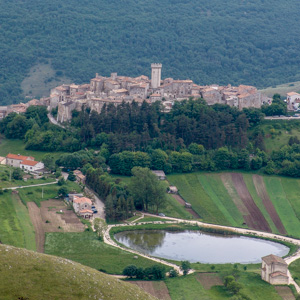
(28, 275)
(86, 249)
(15, 225)
(18, 147)
(184, 288)
(217, 203)
(48, 191)
(294, 268)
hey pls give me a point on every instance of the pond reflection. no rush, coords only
(197, 246)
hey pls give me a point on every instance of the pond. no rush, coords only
(197, 246)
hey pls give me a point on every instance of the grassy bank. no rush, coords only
(86, 249)
(15, 226)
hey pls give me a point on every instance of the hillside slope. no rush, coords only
(250, 42)
(37, 276)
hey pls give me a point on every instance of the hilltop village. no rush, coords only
(117, 89)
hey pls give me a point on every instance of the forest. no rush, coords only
(238, 42)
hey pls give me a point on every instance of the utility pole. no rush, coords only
(42, 192)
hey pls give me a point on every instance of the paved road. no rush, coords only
(26, 186)
(98, 203)
(282, 118)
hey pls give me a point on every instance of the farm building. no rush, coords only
(173, 189)
(26, 163)
(79, 176)
(160, 174)
(81, 203)
(188, 205)
(2, 160)
(86, 213)
(274, 270)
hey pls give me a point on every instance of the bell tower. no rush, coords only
(155, 75)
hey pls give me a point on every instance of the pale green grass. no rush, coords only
(85, 248)
(29, 275)
(214, 187)
(15, 225)
(248, 178)
(174, 209)
(192, 191)
(282, 205)
(25, 223)
(294, 267)
(282, 89)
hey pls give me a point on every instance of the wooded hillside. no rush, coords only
(251, 42)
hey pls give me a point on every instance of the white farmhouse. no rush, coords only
(26, 163)
(82, 206)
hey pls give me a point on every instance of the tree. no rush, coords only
(17, 174)
(228, 279)
(173, 273)
(146, 189)
(61, 181)
(158, 272)
(185, 267)
(49, 162)
(234, 287)
(130, 271)
(100, 227)
(71, 176)
(63, 192)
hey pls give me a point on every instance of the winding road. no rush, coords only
(107, 239)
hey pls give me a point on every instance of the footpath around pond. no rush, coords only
(108, 240)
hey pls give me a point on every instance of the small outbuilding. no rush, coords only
(274, 270)
(86, 213)
(188, 205)
(160, 174)
(173, 189)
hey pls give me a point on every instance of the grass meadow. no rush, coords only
(16, 228)
(87, 249)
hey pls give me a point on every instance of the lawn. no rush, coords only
(191, 189)
(18, 147)
(294, 268)
(15, 225)
(86, 249)
(282, 204)
(48, 192)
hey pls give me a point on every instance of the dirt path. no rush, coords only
(255, 219)
(181, 201)
(262, 193)
(36, 219)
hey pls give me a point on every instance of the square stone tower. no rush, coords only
(155, 75)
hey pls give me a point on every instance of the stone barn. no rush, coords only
(274, 270)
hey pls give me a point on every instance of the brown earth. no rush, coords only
(36, 219)
(157, 289)
(255, 219)
(208, 280)
(262, 193)
(59, 219)
(285, 292)
(190, 210)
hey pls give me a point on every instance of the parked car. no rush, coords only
(93, 207)
(94, 211)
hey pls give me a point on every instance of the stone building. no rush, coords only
(274, 270)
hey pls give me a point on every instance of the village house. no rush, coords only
(26, 163)
(80, 178)
(82, 206)
(274, 270)
(160, 174)
(293, 100)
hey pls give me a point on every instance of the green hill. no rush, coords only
(28, 275)
(250, 42)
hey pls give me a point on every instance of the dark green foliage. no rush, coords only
(210, 41)
(130, 271)
(61, 181)
(156, 272)
(17, 174)
(185, 267)
(71, 176)
(173, 273)
(63, 191)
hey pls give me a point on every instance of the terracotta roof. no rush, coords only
(275, 274)
(155, 95)
(19, 157)
(29, 162)
(83, 211)
(293, 94)
(82, 200)
(269, 259)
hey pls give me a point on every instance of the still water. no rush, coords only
(197, 246)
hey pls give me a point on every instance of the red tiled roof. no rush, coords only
(19, 157)
(275, 274)
(82, 200)
(29, 162)
(86, 211)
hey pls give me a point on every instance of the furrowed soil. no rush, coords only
(209, 280)
(52, 216)
(154, 288)
(255, 219)
(262, 193)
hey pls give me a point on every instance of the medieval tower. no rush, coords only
(155, 75)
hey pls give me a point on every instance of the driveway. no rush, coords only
(99, 204)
